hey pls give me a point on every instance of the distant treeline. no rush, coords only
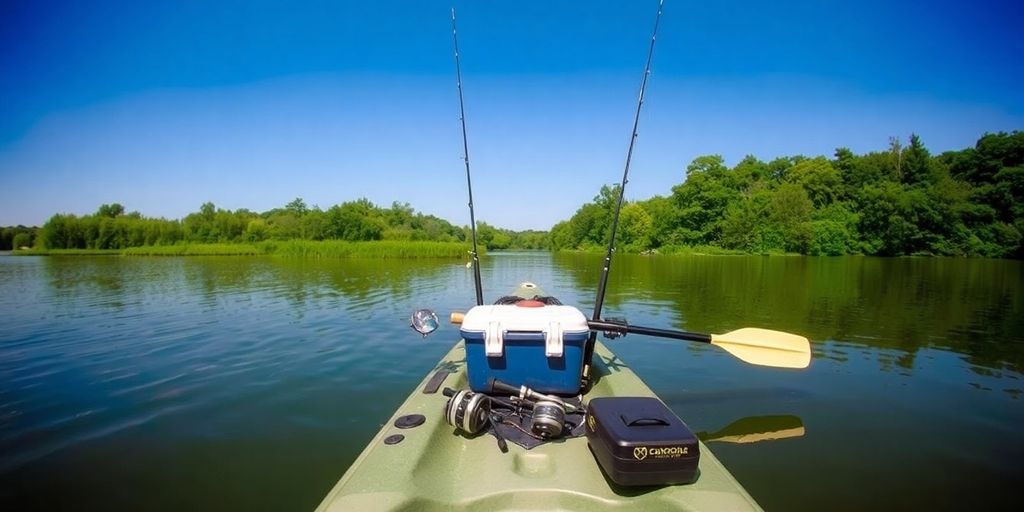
(360, 220)
(902, 201)
(13, 237)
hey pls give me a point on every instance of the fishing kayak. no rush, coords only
(432, 466)
(420, 461)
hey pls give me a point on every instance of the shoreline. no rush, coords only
(290, 248)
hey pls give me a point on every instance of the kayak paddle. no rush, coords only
(752, 345)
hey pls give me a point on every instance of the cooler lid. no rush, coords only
(552, 324)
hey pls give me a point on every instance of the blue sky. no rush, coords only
(162, 106)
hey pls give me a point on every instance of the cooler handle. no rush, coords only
(553, 340)
(524, 335)
(493, 339)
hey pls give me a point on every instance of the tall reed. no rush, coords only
(194, 250)
(378, 249)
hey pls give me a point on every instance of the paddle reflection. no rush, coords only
(756, 429)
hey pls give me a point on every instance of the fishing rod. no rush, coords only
(469, 181)
(603, 286)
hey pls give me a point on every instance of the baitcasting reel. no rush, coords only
(466, 411)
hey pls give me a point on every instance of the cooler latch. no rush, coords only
(553, 340)
(493, 339)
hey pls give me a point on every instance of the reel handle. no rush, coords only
(496, 386)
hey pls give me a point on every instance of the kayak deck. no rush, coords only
(435, 468)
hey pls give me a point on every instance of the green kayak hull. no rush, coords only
(436, 468)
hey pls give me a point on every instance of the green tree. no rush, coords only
(859, 172)
(561, 236)
(747, 173)
(297, 207)
(63, 232)
(400, 214)
(285, 225)
(834, 231)
(746, 226)
(355, 220)
(916, 163)
(789, 210)
(314, 224)
(256, 230)
(665, 220)
(491, 237)
(110, 210)
(635, 228)
(22, 239)
(702, 200)
(819, 178)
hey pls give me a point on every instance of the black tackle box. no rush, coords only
(640, 441)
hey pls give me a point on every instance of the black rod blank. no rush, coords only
(469, 181)
(599, 302)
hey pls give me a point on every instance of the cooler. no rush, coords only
(538, 346)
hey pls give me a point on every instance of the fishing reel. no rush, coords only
(466, 411)
(548, 419)
(471, 412)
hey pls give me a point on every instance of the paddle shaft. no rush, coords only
(604, 325)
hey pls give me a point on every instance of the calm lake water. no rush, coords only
(230, 383)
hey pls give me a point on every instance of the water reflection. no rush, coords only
(365, 283)
(757, 429)
(94, 346)
(171, 373)
(970, 306)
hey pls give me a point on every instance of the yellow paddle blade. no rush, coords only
(766, 347)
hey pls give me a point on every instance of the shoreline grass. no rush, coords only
(67, 252)
(705, 250)
(326, 249)
(385, 249)
(194, 250)
(673, 250)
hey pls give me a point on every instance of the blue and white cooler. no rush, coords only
(528, 343)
